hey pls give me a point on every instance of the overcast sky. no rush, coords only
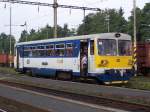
(37, 20)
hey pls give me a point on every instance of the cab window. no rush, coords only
(125, 47)
(107, 47)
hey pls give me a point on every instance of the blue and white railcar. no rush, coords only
(109, 56)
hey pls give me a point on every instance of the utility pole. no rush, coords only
(10, 52)
(84, 32)
(135, 38)
(26, 28)
(55, 6)
(26, 31)
(108, 22)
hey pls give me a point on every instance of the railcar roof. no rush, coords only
(101, 35)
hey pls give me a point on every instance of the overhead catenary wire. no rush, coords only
(55, 5)
(126, 2)
(51, 5)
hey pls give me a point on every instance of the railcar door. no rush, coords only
(91, 64)
(20, 58)
(84, 57)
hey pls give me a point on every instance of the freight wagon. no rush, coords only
(143, 57)
(5, 59)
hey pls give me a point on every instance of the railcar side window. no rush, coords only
(27, 51)
(92, 47)
(42, 51)
(50, 50)
(60, 49)
(51, 46)
(125, 47)
(69, 49)
(30, 54)
(34, 53)
(107, 47)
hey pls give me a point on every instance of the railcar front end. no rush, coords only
(113, 59)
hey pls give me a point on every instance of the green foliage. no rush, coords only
(140, 82)
(98, 23)
(143, 22)
(23, 37)
(45, 33)
(5, 43)
(93, 23)
(146, 22)
(138, 22)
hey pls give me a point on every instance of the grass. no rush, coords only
(7, 70)
(139, 82)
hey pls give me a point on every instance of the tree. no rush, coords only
(145, 22)
(24, 36)
(142, 23)
(5, 43)
(45, 33)
(97, 23)
(138, 23)
(65, 31)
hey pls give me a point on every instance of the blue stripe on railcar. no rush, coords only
(44, 71)
(114, 77)
(50, 72)
(101, 77)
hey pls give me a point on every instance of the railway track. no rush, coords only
(9, 105)
(1, 110)
(88, 99)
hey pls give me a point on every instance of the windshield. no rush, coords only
(124, 47)
(107, 47)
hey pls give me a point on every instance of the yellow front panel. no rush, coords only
(113, 61)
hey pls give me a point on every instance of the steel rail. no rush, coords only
(84, 98)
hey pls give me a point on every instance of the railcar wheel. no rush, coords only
(33, 74)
